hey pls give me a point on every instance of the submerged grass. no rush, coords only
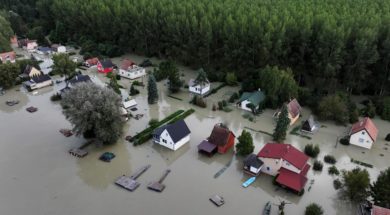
(175, 98)
(361, 163)
(260, 131)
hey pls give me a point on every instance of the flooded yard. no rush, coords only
(39, 177)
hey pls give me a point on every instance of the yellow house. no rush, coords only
(294, 111)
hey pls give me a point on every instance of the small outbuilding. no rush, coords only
(221, 140)
(91, 62)
(27, 44)
(309, 125)
(252, 165)
(363, 133)
(57, 48)
(198, 88)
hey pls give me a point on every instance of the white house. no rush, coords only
(363, 133)
(129, 103)
(58, 48)
(254, 98)
(37, 82)
(172, 136)
(130, 70)
(196, 88)
(29, 45)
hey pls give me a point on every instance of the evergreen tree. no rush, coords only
(201, 79)
(152, 90)
(175, 83)
(282, 125)
(380, 189)
(386, 109)
(245, 143)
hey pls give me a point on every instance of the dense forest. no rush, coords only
(329, 45)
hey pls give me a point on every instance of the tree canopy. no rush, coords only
(245, 143)
(356, 184)
(97, 115)
(8, 74)
(5, 34)
(62, 65)
(152, 90)
(380, 189)
(282, 124)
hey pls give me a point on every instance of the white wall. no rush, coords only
(169, 142)
(41, 85)
(255, 170)
(361, 139)
(199, 90)
(132, 74)
(271, 166)
(244, 107)
(289, 166)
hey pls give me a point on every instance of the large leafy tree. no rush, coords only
(333, 107)
(314, 209)
(380, 189)
(63, 65)
(201, 79)
(356, 184)
(152, 90)
(94, 110)
(281, 125)
(8, 74)
(5, 34)
(245, 143)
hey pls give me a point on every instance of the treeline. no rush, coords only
(329, 45)
(5, 34)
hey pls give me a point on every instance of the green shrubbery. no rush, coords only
(312, 150)
(330, 159)
(317, 165)
(333, 170)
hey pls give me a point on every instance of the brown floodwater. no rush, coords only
(39, 177)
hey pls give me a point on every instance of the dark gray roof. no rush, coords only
(106, 63)
(177, 130)
(253, 160)
(41, 78)
(44, 49)
(79, 78)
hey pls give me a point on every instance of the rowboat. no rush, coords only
(267, 209)
(249, 182)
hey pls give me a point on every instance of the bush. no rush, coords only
(133, 90)
(227, 109)
(333, 170)
(55, 97)
(118, 77)
(330, 159)
(333, 107)
(314, 209)
(214, 107)
(344, 141)
(199, 101)
(317, 165)
(387, 137)
(220, 105)
(312, 150)
(138, 83)
(72, 53)
(233, 97)
(224, 103)
(337, 184)
(231, 79)
(153, 122)
(186, 86)
(385, 108)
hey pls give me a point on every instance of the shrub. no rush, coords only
(337, 184)
(387, 137)
(55, 97)
(199, 101)
(227, 109)
(118, 77)
(233, 97)
(314, 209)
(333, 170)
(186, 86)
(224, 103)
(312, 150)
(72, 53)
(133, 90)
(385, 106)
(329, 159)
(344, 141)
(220, 105)
(137, 83)
(153, 122)
(333, 107)
(317, 165)
(214, 107)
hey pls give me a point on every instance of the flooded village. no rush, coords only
(39, 176)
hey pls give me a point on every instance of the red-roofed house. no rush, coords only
(294, 111)
(376, 210)
(221, 139)
(91, 62)
(27, 44)
(8, 57)
(287, 162)
(130, 70)
(363, 133)
(14, 41)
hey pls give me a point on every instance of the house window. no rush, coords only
(268, 169)
(164, 140)
(363, 132)
(361, 140)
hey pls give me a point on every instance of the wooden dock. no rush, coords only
(157, 185)
(129, 182)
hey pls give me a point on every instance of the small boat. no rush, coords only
(107, 156)
(249, 182)
(267, 209)
(12, 103)
(217, 200)
(58, 81)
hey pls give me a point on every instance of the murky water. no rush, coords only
(39, 177)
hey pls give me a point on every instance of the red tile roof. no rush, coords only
(376, 210)
(294, 108)
(5, 56)
(291, 179)
(220, 135)
(286, 152)
(92, 61)
(368, 125)
(126, 64)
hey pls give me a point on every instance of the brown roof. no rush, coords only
(220, 135)
(7, 56)
(126, 63)
(93, 61)
(376, 210)
(368, 125)
(294, 108)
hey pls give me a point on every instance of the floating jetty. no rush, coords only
(77, 152)
(129, 182)
(217, 200)
(31, 109)
(158, 186)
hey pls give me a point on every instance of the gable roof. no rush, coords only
(368, 125)
(294, 108)
(92, 61)
(5, 56)
(126, 63)
(177, 130)
(44, 49)
(41, 78)
(106, 63)
(309, 122)
(377, 210)
(30, 69)
(79, 78)
(220, 135)
(253, 160)
(293, 180)
(286, 152)
(255, 97)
